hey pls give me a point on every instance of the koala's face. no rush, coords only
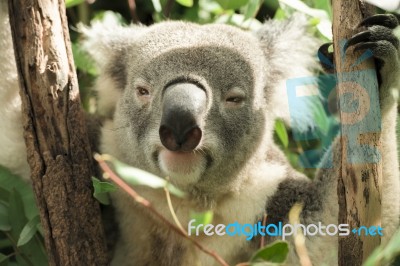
(193, 105)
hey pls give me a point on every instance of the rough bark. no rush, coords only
(55, 134)
(359, 187)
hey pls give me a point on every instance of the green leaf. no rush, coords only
(239, 21)
(71, 3)
(324, 5)
(136, 176)
(40, 229)
(231, 4)
(187, 3)
(28, 231)
(252, 9)
(8, 182)
(3, 257)
(101, 189)
(4, 194)
(201, 218)
(276, 252)
(321, 118)
(280, 14)
(5, 243)
(157, 5)
(109, 17)
(4, 222)
(281, 132)
(264, 263)
(16, 213)
(325, 25)
(34, 249)
(82, 60)
(383, 255)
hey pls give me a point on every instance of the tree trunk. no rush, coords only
(55, 133)
(359, 188)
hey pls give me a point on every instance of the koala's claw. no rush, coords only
(373, 46)
(379, 40)
(326, 58)
(379, 34)
(387, 20)
(357, 38)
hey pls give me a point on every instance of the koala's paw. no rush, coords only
(379, 39)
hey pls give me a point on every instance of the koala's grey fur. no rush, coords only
(239, 171)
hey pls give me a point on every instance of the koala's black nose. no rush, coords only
(183, 109)
(183, 141)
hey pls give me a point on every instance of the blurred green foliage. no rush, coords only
(21, 238)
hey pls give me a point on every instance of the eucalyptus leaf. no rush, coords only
(383, 255)
(136, 176)
(28, 231)
(4, 194)
(9, 182)
(231, 4)
(16, 213)
(101, 189)
(240, 21)
(71, 3)
(276, 252)
(4, 222)
(187, 3)
(201, 218)
(325, 25)
(157, 5)
(3, 257)
(281, 132)
(252, 8)
(321, 118)
(82, 60)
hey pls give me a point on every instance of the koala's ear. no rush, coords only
(107, 42)
(104, 40)
(291, 53)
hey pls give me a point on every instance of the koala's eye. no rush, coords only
(234, 97)
(141, 91)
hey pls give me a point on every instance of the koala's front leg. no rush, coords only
(384, 45)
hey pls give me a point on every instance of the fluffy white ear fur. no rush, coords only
(13, 151)
(103, 40)
(293, 52)
(105, 36)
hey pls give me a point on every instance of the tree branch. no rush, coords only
(55, 134)
(359, 187)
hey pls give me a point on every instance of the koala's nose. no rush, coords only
(181, 141)
(183, 109)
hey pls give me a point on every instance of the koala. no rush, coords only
(197, 104)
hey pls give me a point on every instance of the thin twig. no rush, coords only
(132, 10)
(299, 239)
(171, 209)
(264, 222)
(243, 264)
(168, 8)
(17, 250)
(144, 202)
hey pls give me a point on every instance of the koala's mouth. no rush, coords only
(185, 167)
